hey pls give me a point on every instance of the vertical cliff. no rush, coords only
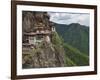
(44, 54)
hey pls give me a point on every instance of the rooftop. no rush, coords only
(38, 33)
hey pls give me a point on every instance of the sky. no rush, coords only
(68, 18)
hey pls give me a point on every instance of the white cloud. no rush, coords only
(68, 18)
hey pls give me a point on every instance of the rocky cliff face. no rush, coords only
(32, 19)
(45, 54)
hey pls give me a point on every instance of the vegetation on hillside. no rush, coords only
(73, 57)
(75, 35)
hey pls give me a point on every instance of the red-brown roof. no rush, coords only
(39, 33)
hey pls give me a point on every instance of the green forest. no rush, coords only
(75, 40)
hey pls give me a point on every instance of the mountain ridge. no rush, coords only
(75, 34)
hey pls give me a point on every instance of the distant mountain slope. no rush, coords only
(73, 56)
(77, 57)
(75, 34)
